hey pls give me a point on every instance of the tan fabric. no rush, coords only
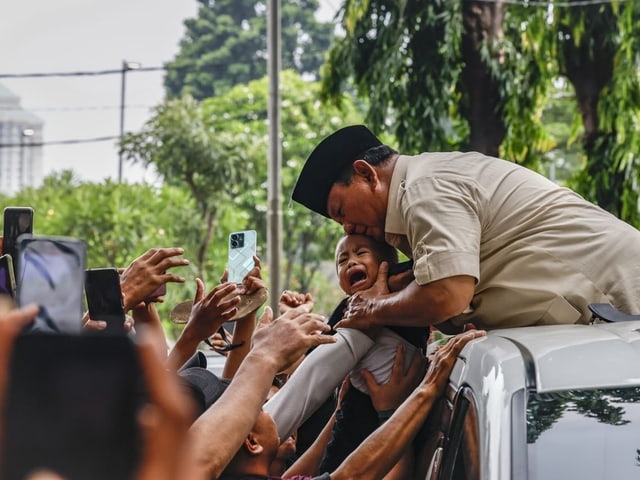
(540, 253)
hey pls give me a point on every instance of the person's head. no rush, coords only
(358, 258)
(345, 179)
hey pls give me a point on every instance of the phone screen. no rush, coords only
(51, 274)
(71, 407)
(242, 248)
(104, 298)
(17, 220)
(7, 279)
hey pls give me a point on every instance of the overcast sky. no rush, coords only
(78, 35)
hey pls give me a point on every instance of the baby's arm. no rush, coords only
(314, 380)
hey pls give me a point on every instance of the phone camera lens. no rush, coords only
(237, 240)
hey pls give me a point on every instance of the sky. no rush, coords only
(40, 36)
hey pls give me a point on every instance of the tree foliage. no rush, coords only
(186, 151)
(226, 45)
(477, 75)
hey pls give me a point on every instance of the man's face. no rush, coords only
(265, 428)
(359, 207)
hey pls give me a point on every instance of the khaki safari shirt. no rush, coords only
(539, 253)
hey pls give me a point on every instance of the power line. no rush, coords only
(59, 142)
(549, 3)
(77, 74)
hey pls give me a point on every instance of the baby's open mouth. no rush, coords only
(357, 277)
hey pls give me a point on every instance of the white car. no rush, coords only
(542, 403)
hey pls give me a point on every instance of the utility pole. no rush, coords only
(126, 66)
(274, 212)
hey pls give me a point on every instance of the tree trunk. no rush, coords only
(482, 23)
(210, 222)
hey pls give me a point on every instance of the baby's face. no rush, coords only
(357, 263)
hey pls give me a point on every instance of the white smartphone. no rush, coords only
(242, 249)
(51, 274)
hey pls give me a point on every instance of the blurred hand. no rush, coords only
(290, 299)
(165, 421)
(148, 272)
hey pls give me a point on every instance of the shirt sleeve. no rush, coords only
(314, 380)
(443, 227)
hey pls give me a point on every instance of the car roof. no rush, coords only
(563, 357)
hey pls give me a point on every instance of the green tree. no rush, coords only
(179, 141)
(226, 45)
(597, 49)
(119, 222)
(309, 239)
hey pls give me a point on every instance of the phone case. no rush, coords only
(242, 248)
(51, 273)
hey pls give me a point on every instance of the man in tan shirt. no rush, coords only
(494, 243)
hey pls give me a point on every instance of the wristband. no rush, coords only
(384, 415)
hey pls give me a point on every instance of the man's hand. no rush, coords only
(148, 272)
(445, 357)
(390, 395)
(285, 339)
(361, 307)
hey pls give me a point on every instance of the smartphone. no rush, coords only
(242, 249)
(7, 278)
(71, 407)
(104, 298)
(50, 273)
(17, 220)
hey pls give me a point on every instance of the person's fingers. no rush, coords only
(369, 380)
(266, 318)
(170, 277)
(159, 254)
(383, 273)
(95, 325)
(398, 363)
(221, 291)
(225, 276)
(171, 262)
(199, 290)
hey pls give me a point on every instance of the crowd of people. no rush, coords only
(302, 396)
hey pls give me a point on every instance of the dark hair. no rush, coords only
(387, 252)
(373, 156)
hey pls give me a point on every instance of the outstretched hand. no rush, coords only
(288, 337)
(361, 307)
(148, 272)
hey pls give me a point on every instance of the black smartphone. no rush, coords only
(400, 267)
(71, 407)
(7, 278)
(242, 249)
(50, 273)
(104, 298)
(17, 220)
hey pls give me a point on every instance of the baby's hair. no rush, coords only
(387, 252)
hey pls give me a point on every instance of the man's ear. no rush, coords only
(365, 170)
(252, 445)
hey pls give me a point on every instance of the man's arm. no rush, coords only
(416, 305)
(377, 455)
(222, 429)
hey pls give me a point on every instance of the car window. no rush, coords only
(585, 434)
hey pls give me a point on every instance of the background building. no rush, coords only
(20, 145)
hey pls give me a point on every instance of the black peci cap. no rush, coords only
(327, 161)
